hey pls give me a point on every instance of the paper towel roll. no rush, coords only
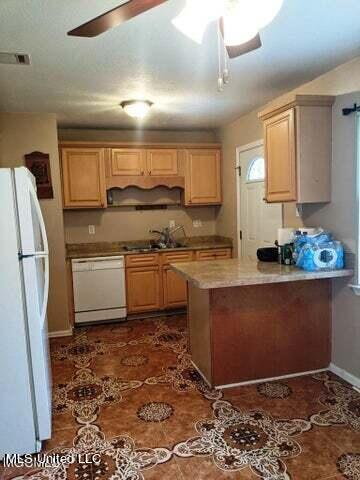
(285, 235)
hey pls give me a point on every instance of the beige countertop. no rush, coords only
(235, 273)
(104, 249)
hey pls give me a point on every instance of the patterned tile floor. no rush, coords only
(128, 394)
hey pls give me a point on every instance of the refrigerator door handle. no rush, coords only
(46, 290)
(40, 219)
(44, 254)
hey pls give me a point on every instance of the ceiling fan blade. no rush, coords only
(114, 17)
(238, 50)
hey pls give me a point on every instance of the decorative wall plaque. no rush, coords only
(39, 165)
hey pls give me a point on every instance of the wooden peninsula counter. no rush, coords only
(254, 321)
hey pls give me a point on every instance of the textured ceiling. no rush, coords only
(83, 80)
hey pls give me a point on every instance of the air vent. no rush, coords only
(14, 58)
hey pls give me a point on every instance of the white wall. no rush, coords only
(339, 217)
(22, 133)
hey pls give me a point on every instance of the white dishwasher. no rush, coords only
(99, 289)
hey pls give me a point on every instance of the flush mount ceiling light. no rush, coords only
(136, 108)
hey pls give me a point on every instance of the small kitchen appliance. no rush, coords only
(267, 254)
(284, 243)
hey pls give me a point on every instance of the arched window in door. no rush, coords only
(256, 170)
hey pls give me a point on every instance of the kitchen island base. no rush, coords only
(246, 333)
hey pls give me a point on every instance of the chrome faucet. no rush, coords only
(165, 235)
(177, 228)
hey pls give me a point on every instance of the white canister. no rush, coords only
(285, 235)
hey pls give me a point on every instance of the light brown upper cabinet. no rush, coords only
(128, 161)
(139, 161)
(280, 157)
(90, 169)
(83, 175)
(202, 177)
(162, 162)
(298, 150)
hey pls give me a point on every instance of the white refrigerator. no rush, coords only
(25, 374)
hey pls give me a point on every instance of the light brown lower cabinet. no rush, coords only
(175, 289)
(152, 285)
(143, 289)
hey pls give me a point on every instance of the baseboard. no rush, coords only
(348, 377)
(61, 333)
(270, 379)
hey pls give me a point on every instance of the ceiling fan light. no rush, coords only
(266, 10)
(189, 25)
(195, 17)
(136, 108)
(244, 18)
(237, 32)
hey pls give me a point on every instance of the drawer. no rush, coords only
(142, 260)
(213, 254)
(176, 257)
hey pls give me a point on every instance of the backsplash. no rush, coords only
(125, 223)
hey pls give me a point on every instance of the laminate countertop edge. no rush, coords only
(233, 273)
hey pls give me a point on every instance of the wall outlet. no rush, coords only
(91, 229)
(197, 223)
(172, 223)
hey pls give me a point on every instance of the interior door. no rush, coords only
(259, 221)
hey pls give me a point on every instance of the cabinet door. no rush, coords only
(128, 161)
(143, 289)
(280, 156)
(175, 289)
(203, 177)
(162, 162)
(83, 176)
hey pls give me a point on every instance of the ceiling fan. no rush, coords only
(239, 20)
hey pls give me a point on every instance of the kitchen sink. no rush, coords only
(152, 246)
